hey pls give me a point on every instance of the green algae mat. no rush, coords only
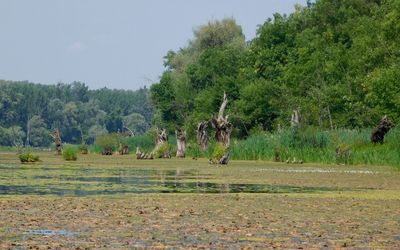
(118, 202)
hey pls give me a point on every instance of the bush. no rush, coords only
(70, 154)
(219, 151)
(28, 157)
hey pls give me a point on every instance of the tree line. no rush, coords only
(335, 62)
(29, 112)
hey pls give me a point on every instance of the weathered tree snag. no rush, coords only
(123, 149)
(223, 129)
(138, 153)
(180, 143)
(143, 156)
(162, 148)
(221, 124)
(378, 134)
(202, 135)
(225, 159)
(162, 136)
(107, 151)
(295, 122)
(57, 140)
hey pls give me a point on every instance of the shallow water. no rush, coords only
(49, 232)
(89, 181)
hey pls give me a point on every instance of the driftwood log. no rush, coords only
(223, 129)
(202, 135)
(378, 134)
(180, 143)
(57, 140)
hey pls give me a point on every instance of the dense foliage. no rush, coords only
(28, 112)
(337, 61)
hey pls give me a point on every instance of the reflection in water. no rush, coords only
(96, 181)
(163, 187)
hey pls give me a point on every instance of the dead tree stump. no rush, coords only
(161, 149)
(123, 149)
(223, 129)
(57, 140)
(107, 151)
(180, 143)
(143, 156)
(202, 135)
(378, 134)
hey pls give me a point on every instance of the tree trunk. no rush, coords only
(378, 134)
(330, 118)
(123, 149)
(180, 143)
(222, 126)
(202, 135)
(223, 129)
(162, 137)
(162, 149)
(28, 133)
(296, 119)
(57, 140)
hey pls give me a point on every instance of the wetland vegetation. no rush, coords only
(99, 202)
(311, 137)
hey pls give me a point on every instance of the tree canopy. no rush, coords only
(336, 61)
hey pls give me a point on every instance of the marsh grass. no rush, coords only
(312, 145)
(308, 144)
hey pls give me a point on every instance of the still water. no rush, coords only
(88, 181)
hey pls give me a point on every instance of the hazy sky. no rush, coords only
(112, 43)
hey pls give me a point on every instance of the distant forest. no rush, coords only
(337, 62)
(30, 111)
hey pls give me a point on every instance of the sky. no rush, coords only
(111, 43)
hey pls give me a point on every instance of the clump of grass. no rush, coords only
(26, 157)
(70, 153)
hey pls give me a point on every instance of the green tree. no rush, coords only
(136, 122)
